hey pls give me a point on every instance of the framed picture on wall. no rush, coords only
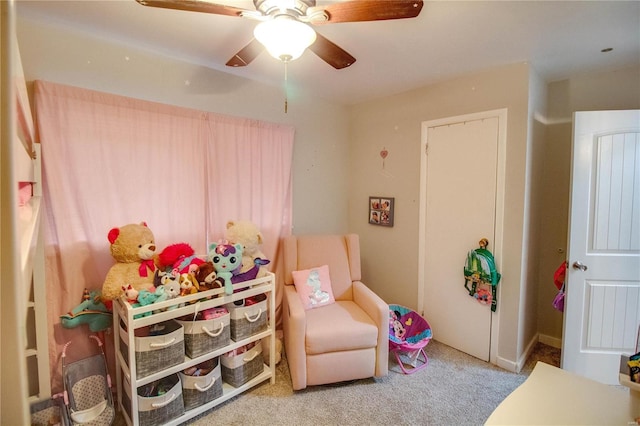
(381, 211)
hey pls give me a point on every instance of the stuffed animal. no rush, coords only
(188, 284)
(145, 297)
(167, 277)
(227, 261)
(180, 257)
(90, 311)
(207, 278)
(157, 277)
(266, 347)
(247, 233)
(133, 248)
(130, 293)
(252, 273)
(168, 291)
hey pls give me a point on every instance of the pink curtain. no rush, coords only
(250, 179)
(110, 160)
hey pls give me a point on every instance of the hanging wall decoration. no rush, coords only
(383, 154)
(381, 211)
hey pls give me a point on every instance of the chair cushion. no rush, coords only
(314, 287)
(341, 326)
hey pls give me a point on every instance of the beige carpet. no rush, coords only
(454, 389)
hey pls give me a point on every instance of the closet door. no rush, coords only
(460, 179)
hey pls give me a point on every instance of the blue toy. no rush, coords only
(91, 311)
(145, 297)
(227, 261)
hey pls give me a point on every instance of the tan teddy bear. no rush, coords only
(249, 236)
(133, 248)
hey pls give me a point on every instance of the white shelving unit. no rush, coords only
(126, 369)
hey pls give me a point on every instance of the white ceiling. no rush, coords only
(559, 38)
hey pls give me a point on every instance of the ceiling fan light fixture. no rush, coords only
(285, 38)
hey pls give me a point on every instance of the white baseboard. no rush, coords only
(525, 355)
(551, 341)
(516, 367)
(506, 364)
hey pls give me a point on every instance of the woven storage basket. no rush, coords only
(157, 347)
(48, 412)
(201, 337)
(239, 369)
(248, 320)
(198, 390)
(157, 410)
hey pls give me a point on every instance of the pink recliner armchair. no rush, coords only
(340, 341)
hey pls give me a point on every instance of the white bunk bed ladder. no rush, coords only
(24, 358)
(29, 169)
(37, 342)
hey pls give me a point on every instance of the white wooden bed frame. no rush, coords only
(24, 366)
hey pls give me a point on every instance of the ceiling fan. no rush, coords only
(280, 17)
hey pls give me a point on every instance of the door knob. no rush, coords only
(578, 265)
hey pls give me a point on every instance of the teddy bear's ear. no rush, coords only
(230, 224)
(113, 235)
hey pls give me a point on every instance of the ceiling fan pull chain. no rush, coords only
(286, 89)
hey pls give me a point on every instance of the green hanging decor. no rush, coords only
(480, 275)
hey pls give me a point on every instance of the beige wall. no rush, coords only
(590, 92)
(390, 263)
(527, 335)
(320, 151)
(539, 152)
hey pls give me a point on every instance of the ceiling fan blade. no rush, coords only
(372, 10)
(331, 53)
(246, 54)
(194, 6)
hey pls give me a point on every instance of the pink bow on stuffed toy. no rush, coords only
(142, 270)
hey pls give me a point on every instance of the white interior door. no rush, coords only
(460, 209)
(602, 306)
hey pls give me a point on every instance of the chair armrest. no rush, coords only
(296, 312)
(294, 324)
(378, 311)
(372, 304)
